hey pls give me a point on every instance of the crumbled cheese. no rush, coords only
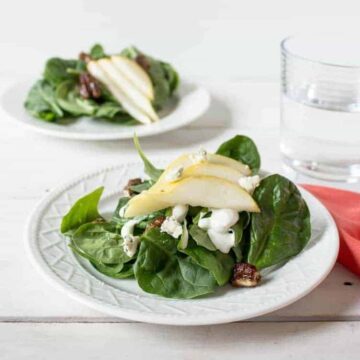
(199, 156)
(172, 224)
(218, 227)
(179, 212)
(172, 227)
(174, 173)
(249, 183)
(131, 242)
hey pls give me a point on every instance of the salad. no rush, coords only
(127, 88)
(207, 220)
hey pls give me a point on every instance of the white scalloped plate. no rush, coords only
(123, 298)
(190, 102)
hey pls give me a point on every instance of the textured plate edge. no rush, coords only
(145, 131)
(170, 319)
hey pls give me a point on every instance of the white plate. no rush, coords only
(189, 103)
(123, 298)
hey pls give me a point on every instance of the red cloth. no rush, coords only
(344, 206)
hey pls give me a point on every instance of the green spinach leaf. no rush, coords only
(58, 70)
(282, 228)
(218, 264)
(239, 228)
(70, 100)
(97, 52)
(100, 243)
(149, 168)
(145, 185)
(201, 237)
(119, 271)
(41, 102)
(241, 148)
(160, 269)
(110, 110)
(85, 210)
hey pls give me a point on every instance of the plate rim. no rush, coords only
(164, 319)
(145, 131)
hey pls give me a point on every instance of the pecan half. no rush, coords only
(89, 86)
(85, 57)
(132, 182)
(245, 275)
(143, 62)
(156, 223)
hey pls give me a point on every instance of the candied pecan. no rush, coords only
(85, 57)
(156, 223)
(89, 87)
(84, 91)
(245, 275)
(143, 62)
(95, 89)
(132, 182)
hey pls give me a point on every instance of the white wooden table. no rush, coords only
(39, 322)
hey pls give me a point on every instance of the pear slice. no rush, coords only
(226, 161)
(187, 160)
(210, 169)
(128, 88)
(98, 73)
(205, 191)
(144, 203)
(135, 73)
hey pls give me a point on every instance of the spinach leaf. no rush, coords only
(110, 110)
(146, 185)
(116, 218)
(172, 76)
(41, 102)
(149, 168)
(100, 243)
(97, 52)
(241, 148)
(85, 210)
(220, 265)
(70, 100)
(57, 70)
(201, 237)
(119, 271)
(239, 228)
(160, 269)
(282, 228)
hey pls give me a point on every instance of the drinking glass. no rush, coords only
(320, 107)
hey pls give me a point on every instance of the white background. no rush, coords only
(226, 40)
(210, 38)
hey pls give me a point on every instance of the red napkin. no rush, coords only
(344, 206)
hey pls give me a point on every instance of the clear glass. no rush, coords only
(320, 110)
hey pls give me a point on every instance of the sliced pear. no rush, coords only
(144, 203)
(210, 169)
(135, 73)
(128, 88)
(206, 191)
(99, 74)
(224, 160)
(187, 160)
